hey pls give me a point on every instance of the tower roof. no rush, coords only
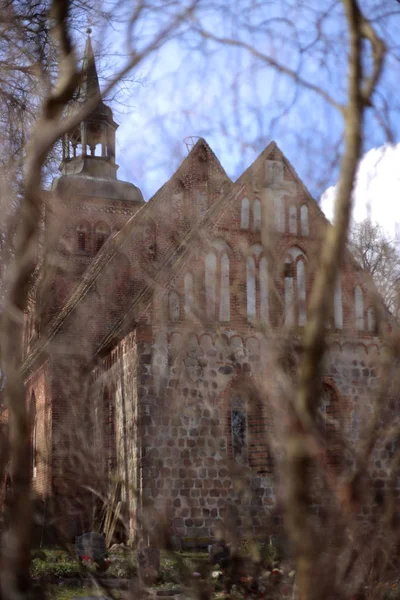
(90, 86)
(88, 164)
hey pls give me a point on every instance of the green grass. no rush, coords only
(55, 563)
(175, 566)
(67, 592)
(177, 570)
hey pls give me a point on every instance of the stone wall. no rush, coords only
(188, 471)
(180, 354)
(180, 426)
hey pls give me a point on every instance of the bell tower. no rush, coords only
(87, 203)
(90, 148)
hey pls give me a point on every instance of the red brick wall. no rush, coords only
(171, 381)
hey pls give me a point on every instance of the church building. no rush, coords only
(162, 336)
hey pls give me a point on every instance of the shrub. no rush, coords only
(122, 567)
(58, 565)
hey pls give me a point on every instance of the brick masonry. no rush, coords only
(145, 383)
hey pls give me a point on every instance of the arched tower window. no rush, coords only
(83, 236)
(245, 214)
(101, 232)
(359, 308)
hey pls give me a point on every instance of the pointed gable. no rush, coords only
(196, 185)
(291, 208)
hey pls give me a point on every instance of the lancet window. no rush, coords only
(217, 282)
(257, 284)
(295, 288)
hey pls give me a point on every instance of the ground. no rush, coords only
(65, 578)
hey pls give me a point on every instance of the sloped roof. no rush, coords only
(89, 87)
(273, 148)
(163, 273)
(109, 250)
(184, 167)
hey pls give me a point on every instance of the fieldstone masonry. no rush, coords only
(165, 345)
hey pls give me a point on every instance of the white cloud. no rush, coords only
(377, 189)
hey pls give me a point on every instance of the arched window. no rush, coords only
(245, 214)
(257, 215)
(217, 282)
(239, 430)
(301, 293)
(338, 305)
(247, 427)
(279, 208)
(83, 236)
(257, 283)
(264, 304)
(211, 284)
(224, 301)
(371, 317)
(102, 232)
(173, 305)
(359, 308)
(293, 219)
(294, 273)
(259, 455)
(304, 220)
(188, 289)
(251, 287)
(289, 292)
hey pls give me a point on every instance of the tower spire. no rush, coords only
(89, 150)
(90, 87)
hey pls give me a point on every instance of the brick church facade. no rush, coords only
(155, 329)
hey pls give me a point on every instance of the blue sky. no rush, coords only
(192, 87)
